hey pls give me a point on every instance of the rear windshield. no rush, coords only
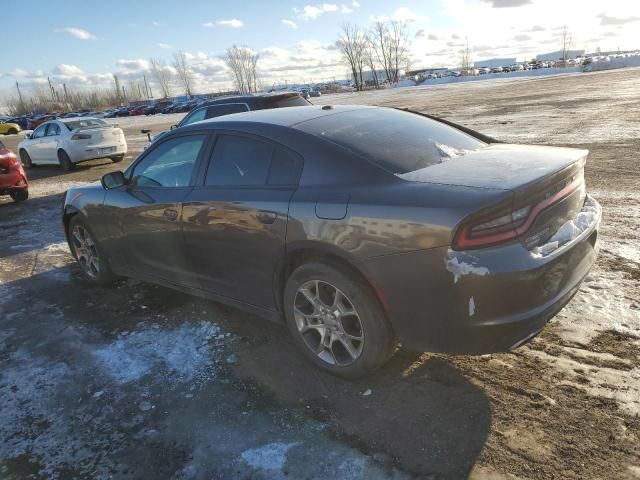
(86, 123)
(400, 142)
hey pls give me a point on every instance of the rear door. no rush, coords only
(235, 220)
(147, 213)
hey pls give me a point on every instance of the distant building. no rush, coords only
(557, 55)
(494, 62)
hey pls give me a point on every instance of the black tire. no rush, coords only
(12, 131)
(103, 274)
(19, 195)
(378, 340)
(65, 161)
(117, 159)
(25, 159)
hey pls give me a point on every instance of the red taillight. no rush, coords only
(80, 136)
(507, 225)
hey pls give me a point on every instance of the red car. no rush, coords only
(13, 179)
(139, 110)
(34, 122)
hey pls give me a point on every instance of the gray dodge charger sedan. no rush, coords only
(360, 227)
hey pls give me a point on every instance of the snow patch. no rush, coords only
(179, 354)
(272, 456)
(472, 307)
(460, 268)
(569, 231)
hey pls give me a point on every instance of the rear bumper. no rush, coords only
(480, 301)
(92, 152)
(13, 181)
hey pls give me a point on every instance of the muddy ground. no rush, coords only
(136, 381)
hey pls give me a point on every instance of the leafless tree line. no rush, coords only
(243, 63)
(383, 47)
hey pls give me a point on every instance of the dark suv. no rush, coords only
(236, 104)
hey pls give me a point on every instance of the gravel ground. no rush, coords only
(136, 381)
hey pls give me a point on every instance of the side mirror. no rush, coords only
(28, 135)
(173, 127)
(147, 132)
(113, 180)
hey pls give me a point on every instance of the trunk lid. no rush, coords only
(99, 135)
(500, 166)
(546, 182)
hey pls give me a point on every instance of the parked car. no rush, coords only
(13, 179)
(34, 122)
(68, 141)
(349, 223)
(9, 128)
(121, 112)
(21, 121)
(135, 111)
(497, 70)
(236, 104)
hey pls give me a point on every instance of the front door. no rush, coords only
(34, 145)
(49, 143)
(235, 223)
(147, 212)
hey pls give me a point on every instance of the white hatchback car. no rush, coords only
(67, 141)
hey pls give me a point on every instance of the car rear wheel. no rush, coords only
(65, 161)
(117, 159)
(87, 252)
(25, 159)
(19, 195)
(336, 320)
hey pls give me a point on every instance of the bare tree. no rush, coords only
(391, 46)
(183, 71)
(370, 58)
(466, 60)
(567, 40)
(162, 75)
(243, 63)
(352, 43)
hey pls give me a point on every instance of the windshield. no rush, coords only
(400, 142)
(86, 123)
(286, 101)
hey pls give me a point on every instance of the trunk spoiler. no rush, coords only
(468, 131)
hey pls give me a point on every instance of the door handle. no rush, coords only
(170, 214)
(266, 217)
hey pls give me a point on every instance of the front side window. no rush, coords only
(226, 109)
(239, 161)
(169, 164)
(39, 132)
(194, 117)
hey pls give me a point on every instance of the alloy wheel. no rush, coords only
(86, 251)
(328, 323)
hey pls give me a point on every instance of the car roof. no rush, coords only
(286, 117)
(75, 119)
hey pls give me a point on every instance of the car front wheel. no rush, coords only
(87, 252)
(336, 320)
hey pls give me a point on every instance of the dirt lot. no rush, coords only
(135, 381)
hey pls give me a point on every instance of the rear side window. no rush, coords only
(400, 142)
(245, 161)
(53, 129)
(226, 109)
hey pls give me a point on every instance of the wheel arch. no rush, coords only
(313, 252)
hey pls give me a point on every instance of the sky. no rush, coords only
(83, 43)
